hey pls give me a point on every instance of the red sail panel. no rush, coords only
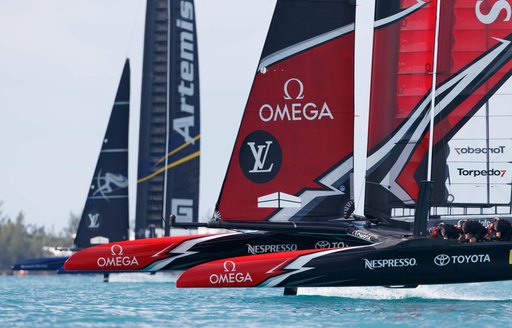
(402, 52)
(473, 147)
(403, 55)
(471, 144)
(293, 154)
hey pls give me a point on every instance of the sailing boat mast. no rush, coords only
(433, 93)
(422, 209)
(165, 222)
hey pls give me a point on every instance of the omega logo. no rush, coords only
(113, 250)
(300, 95)
(229, 266)
(295, 109)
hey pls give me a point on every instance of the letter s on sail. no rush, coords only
(494, 12)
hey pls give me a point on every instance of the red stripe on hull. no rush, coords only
(247, 271)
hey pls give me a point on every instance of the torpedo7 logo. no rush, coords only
(480, 150)
(260, 157)
(481, 173)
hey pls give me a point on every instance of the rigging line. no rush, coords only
(170, 166)
(174, 151)
(132, 33)
(167, 106)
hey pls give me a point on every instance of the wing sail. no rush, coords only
(296, 135)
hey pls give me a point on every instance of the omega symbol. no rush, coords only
(229, 266)
(114, 248)
(300, 94)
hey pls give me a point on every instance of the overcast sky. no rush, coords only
(61, 62)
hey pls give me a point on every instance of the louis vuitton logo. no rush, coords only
(260, 153)
(93, 220)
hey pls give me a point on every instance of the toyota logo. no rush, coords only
(442, 260)
(323, 244)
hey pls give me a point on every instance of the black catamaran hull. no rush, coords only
(184, 252)
(397, 263)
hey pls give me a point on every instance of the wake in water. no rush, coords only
(145, 277)
(488, 291)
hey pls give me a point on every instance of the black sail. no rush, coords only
(105, 215)
(168, 168)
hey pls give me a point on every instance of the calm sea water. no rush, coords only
(139, 300)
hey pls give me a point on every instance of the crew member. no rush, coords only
(473, 231)
(501, 229)
(434, 232)
(448, 231)
(462, 235)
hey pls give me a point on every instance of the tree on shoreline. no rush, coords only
(19, 241)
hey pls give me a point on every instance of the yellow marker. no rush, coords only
(510, 257)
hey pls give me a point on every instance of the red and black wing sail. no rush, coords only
(292, 159)
(403, 55)
(472, 139)
(473, 67)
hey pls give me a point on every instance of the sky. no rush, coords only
(60, 65)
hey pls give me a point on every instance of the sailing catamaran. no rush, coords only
(105, 215)
(443, 118)
(293, 106)
(437, 114)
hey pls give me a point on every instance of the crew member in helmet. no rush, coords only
(473, 231)
(500, 229)
(445, 231)
(434, 232)
(448, 231)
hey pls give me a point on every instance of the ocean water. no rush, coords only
(140, 300)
